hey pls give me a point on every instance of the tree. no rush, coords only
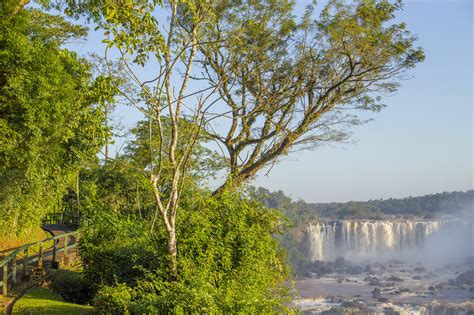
(50, 123)
(289, 84)
(131, 28)
(266, 84)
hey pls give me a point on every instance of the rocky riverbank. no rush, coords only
(392, 287)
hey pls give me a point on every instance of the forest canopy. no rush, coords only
(428, 206)
(50, 119)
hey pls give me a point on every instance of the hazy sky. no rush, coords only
(421, 143)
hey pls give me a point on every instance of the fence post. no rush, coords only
(53, 263)
(65, 249)
(40, 256)
(25, 261)
(14, 270)
(5, 280)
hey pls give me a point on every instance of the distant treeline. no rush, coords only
(422, 206)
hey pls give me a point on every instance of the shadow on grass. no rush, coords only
(45, 301)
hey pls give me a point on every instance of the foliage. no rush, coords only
(113, 299)
(228, 260)
(114, 248)
(144, 152)
(49, 121)
(285, 84)
(296, 83)
(45, 301)
(72, 286)
(446, 203)
(299, 212)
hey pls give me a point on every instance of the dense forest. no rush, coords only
(427, 206)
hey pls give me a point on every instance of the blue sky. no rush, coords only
(421, 143)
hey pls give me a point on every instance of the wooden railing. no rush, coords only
(70, 220)
(22, 258)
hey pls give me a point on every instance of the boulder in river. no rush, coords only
(383, 300)
(354, 270)
(394, 278)
(419, 269)
(376, 293)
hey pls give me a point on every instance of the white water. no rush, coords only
(351, 238)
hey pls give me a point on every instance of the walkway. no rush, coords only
(29, 260)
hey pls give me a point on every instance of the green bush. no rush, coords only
(72, 286)
(113, 300)
(228, 260)
(114, 249)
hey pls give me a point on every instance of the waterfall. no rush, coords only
(332, 239)
(322, 238)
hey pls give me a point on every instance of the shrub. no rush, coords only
(113, 299)
(72, 286)
(228, 260)
(114, 250)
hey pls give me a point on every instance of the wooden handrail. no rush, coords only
(12, 257)
(62, 218)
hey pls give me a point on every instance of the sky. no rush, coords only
(421, 143)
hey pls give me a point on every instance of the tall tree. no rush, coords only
(173, 129)
(291, 84)
(266, 83)
(49, 119)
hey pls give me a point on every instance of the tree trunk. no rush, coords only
(172, 251)
(106, 118)
(232, 183)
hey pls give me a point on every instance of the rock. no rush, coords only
(466, 278)
(354, 270)
(333, 311)
(419, 269)
(340, 262)
(353, 304)
(383, 300)
(416, 278)
(431, 288)
(404, 290)
(375, 282)
(394, 278)
(321, 268)
(368, 269)
(376, 293)
(390, 311)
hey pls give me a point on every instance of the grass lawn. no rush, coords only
(45, 301)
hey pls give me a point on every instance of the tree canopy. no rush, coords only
(50, 123)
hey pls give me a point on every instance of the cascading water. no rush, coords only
(322, 240)
(329, 240)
